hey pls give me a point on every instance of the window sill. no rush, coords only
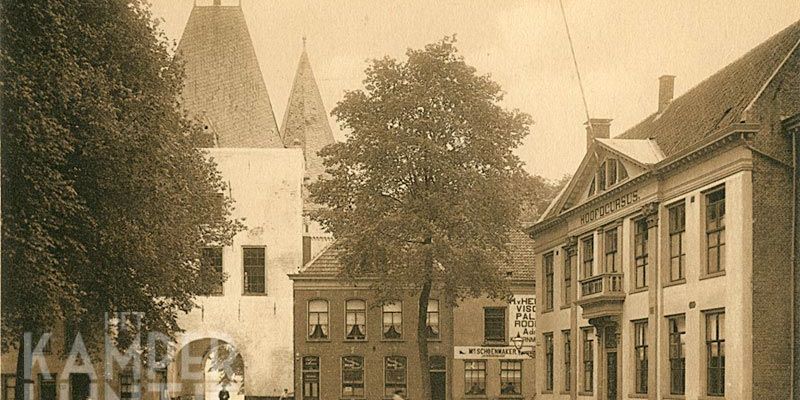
(566, 306)
(318, 340)
(709, 276)
(637, 395)
(510, 396)
(547, 392)
(255, 294)
(565, 392)
(638, 290)
(493, 343)
(674, 283)
(585, 393)
(712, 397)
(549, 310)
(355, 340)
(673, 397)
(475, 396)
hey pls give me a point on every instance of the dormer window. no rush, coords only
(610, 173)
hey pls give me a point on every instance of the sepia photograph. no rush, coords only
(399, 200)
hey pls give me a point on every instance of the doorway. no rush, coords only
(438, 371)
(611, 374)
(79, 386)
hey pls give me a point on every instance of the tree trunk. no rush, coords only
(22, 389)
(422, 339)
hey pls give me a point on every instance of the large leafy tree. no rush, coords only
(105, 201)
(422, 196)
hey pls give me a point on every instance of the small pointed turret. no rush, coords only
(305, 123)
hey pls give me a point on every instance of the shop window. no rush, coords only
(395, 376)
(310, 375)
(475, 377)
(511, 377)
(353, 377)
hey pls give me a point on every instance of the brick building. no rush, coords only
(348, 345)
(664, 265)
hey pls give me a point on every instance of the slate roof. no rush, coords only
(224, 86)
(305, 123)
(720, 100)
(519, 268)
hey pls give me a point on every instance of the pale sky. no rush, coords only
(622, 48)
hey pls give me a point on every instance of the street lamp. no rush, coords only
(518, 342)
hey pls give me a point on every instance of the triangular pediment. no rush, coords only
(607, 164)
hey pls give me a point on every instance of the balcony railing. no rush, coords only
(608, 283)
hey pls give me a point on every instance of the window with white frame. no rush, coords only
(318, 319)
(355, 319)
(393, 320)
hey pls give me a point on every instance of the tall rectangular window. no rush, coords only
(355, 319)
(475, 377)
(494, 324)
(433, 319)
(353, 377)
(677, 354)
(640, 352)
(588, 257)
(128, 385)
(47, 387)
(211, 259)
(715, 353)
(569, 266)
(640, 253)
(611, 242)
(395, 373)
(677, 254)
(548, 281)
(588, 360)
(318, 319)
(310, 376)
(715, 230)
(393, 320)
(601, 177)
(567, 359)
(548, 361)
(612, 171)
(510, 377)
(255, 270)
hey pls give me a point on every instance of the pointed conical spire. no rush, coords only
(223, 83)
(305, 123)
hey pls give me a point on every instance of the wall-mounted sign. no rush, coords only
(478, 352)
(610, 207)
(522, 319)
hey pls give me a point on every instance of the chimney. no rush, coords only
(666, 89)
(597, 128)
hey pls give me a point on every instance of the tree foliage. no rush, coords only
(105, 200)
(424, 192)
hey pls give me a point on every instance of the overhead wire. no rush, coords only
(575, 62)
